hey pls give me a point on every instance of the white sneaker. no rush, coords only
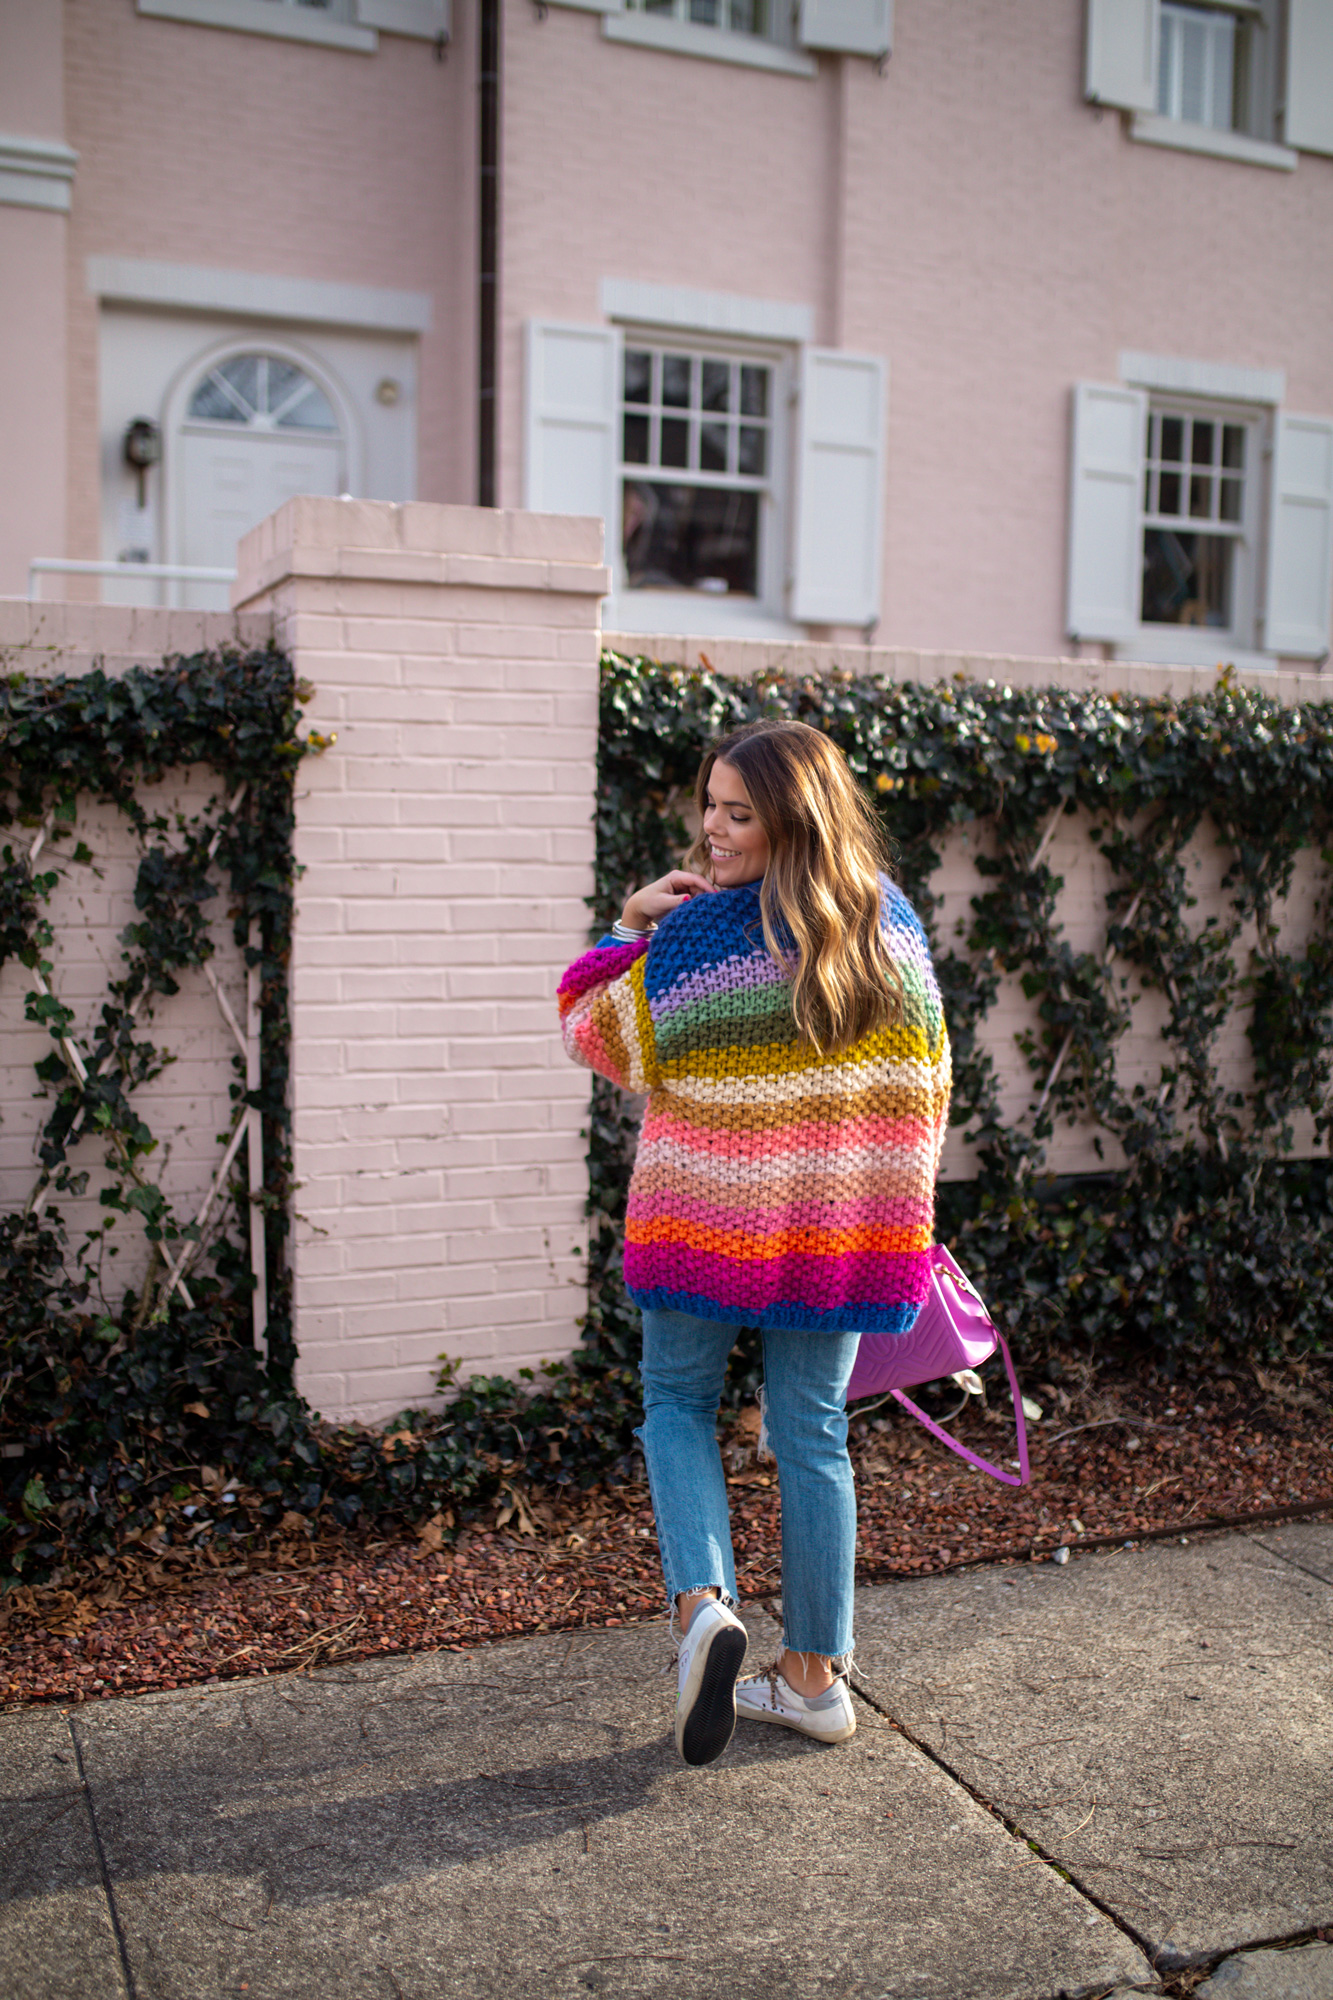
(829, 1717)
(709, 1660)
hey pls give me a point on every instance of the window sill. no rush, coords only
(1154, 130)
(1195, 646)
(686, 38)
(263, 17)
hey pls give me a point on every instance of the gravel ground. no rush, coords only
(1113, 1460)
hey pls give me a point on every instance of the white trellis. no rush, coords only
(247, 1125)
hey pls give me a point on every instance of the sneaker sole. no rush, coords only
(707, 1726)
(791, 1722)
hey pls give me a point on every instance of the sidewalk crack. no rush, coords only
(1036, 1850)
(126, 1971)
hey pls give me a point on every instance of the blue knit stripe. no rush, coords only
(840, 1319)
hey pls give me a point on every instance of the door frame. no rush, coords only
(176, 399)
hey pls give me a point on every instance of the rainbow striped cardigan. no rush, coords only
(773, 1186)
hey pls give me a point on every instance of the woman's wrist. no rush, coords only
(632, 918)
(629, 931)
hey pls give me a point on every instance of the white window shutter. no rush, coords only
(839, 487)
(1308, 118)
(1300, 541)
(571, 420)
(1106, 511)
(427, 18)
(1120, 57)
(851, 27)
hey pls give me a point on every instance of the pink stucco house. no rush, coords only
(991, 326)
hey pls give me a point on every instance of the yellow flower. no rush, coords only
(884, 783)
(1046, 744)
(1023, 743)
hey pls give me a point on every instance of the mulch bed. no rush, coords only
(1115, 1459)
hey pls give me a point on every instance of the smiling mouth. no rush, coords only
(725, 853)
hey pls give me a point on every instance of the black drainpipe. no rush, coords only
(488, 244)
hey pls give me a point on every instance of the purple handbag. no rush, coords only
(953, 1331)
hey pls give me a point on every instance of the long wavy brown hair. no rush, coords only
(821, 893)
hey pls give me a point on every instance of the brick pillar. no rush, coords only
(447, 847)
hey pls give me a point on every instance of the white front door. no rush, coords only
(228, 484)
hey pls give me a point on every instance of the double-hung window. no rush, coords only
(1201, 525)
(697, 461)
(1199, 519)
(739, 469)
(1250, 80)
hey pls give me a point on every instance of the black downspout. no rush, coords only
(488, 244)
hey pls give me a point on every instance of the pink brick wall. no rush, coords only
(447, 845)
(965, 214)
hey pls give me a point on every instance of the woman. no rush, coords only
(776, 1000)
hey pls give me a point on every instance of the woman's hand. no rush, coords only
(653, 902)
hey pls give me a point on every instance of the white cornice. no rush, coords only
(257, 295)
(35, 173)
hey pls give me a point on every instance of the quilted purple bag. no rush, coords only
(953, 1331)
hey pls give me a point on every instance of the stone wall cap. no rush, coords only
(419, 541)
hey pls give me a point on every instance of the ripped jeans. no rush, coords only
(805, 1383)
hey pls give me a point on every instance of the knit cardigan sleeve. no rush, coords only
(604, 1016)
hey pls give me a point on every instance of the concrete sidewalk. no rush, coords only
(1102, 1773)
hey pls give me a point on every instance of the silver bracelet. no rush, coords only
(622, 933)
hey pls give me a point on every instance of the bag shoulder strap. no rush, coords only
(1024, 1474)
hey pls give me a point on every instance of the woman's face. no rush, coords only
(736, 840)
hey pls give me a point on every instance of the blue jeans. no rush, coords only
(805, 1383)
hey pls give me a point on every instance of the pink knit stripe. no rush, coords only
(591, 1045)
(760, 1225)
(795, 1140)
(859, 1278)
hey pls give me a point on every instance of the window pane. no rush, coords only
(1231, 504)
(1166, 65)
(1169, 497)
(212, 401)
(636, 439)
(1193, 72)
(283, 378)
(742, 17)
(638, 377)
(1221, 33)
(1233, 446)
(713, 447)
(1201, 450)
(1173, 438)
(241, 373)
(704, 11)
(754, 450)
(309, 410)
(675, 441)
(1201, 497)
(1187, 579)
(754, 392)
(716, 385)
(676, 381)
(691, 537)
